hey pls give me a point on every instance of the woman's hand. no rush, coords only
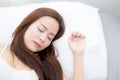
(76, 42)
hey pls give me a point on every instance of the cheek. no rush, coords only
(47, 44)
(35, 34)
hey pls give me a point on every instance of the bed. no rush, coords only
(102, 30)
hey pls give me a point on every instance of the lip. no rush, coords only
(36, 44)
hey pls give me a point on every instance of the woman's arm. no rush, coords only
(77, 43)
(78, 67)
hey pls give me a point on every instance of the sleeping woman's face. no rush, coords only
(40, 33)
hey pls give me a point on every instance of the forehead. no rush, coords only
(50, 23)
(48, 19)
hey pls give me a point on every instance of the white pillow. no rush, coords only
(78, 17)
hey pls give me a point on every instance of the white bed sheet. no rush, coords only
(77, 17)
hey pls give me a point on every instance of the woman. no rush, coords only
(31, 55)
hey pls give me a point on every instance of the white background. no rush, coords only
(110, 6)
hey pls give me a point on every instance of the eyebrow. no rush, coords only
(46, 28)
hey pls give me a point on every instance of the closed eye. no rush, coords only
(50, 38)
(39, 29)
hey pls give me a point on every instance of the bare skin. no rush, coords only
(76, 43)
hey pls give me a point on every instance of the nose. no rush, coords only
(42, 38)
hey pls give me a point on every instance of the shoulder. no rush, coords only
(1, 47)
(64, 76)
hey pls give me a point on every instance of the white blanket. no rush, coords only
(77, 17)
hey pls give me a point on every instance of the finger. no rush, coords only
(70, 38)
(83, 36)
(79, 35)
(76, 34)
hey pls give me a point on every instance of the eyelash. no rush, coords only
(42, 31)
(49, 38)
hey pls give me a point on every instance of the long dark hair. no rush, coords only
(44, 62)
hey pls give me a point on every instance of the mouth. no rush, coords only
(36, 44)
